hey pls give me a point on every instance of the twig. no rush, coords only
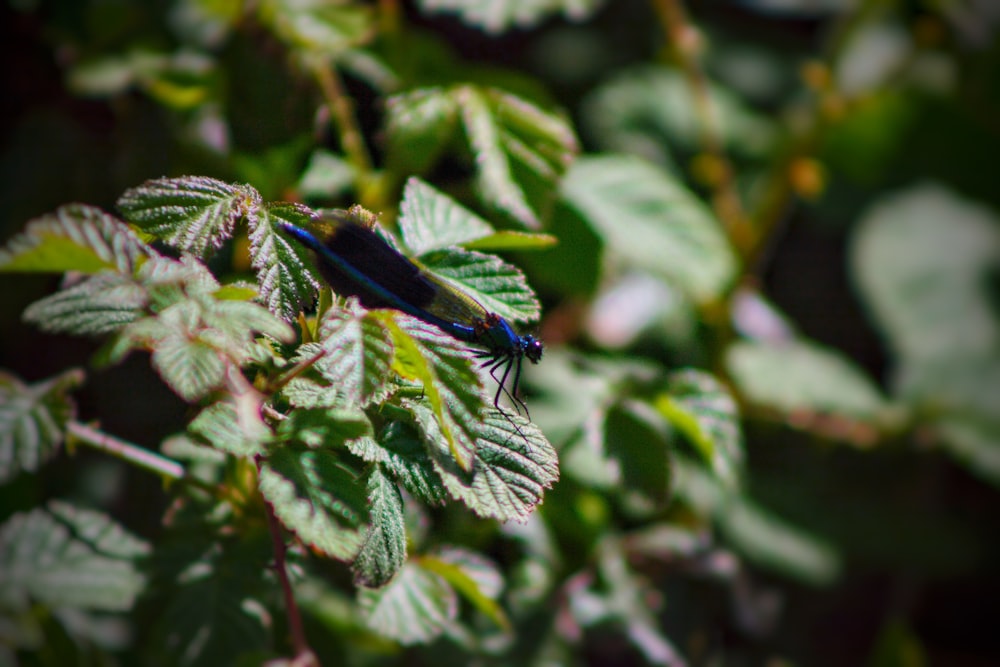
(138, 456)
(725, 199)
(167, 469)
(303, 654)
(342, 112)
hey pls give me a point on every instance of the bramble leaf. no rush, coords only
(384, 550)
(358, 356)
(193, 213)
(699, 406)
(285, 271)
(318, 497)
(75, 238)
(414, 608)
(97, 305)
(512, 467)
(33, 420)
(452, 389)
(430, 220)
(498, 286)
(653, 222)
(64, 556)
(497, 16)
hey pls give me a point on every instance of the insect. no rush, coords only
(356, 261)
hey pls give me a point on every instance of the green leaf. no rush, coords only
(638, 451)
(75, 238)
(33, 420)
(513, 466)
(511, 240)
(476, 578)
(419, 125)
(384, 550)
(452, 389)
(214, 610)
(233, 425)
(701, 408)
(958, 399)
(325, 427)
(498, 286)
(189, 365)
(650, 110)
(512, 139)
(358, 357)
(414, 608)
(63, 556)
(318, 497)
(799, 376)
(923, 260)
(765, 538)
(769, 541)
(430, 220)
(318, 26)
(496, 16)
(97, 305)
(327, 176)
(652, 222)
(285, 270)
(193, 213)
(402, 453)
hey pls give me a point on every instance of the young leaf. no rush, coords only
(97, 305)
(318, 497)
(498, 286)
(232, 425)
(701, 408)
(33, 420)
(452, 388)
(68, 557)
(285, 271)
(193, 213)
(430, 220)
(189, 365)
(358, 356)
(513, 466)
(384, 550)
(75, 238)
(414, 608)
(653, 222)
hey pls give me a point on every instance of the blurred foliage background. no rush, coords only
(846, 148)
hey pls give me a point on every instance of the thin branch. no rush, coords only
(726, 200)
(342, 111)
(167, 469)
(303, 654)
(140, 457)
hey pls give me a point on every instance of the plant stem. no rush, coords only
(686, 43)
(138, 456)
(351, 140)
(167, 469)
(303, 654)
